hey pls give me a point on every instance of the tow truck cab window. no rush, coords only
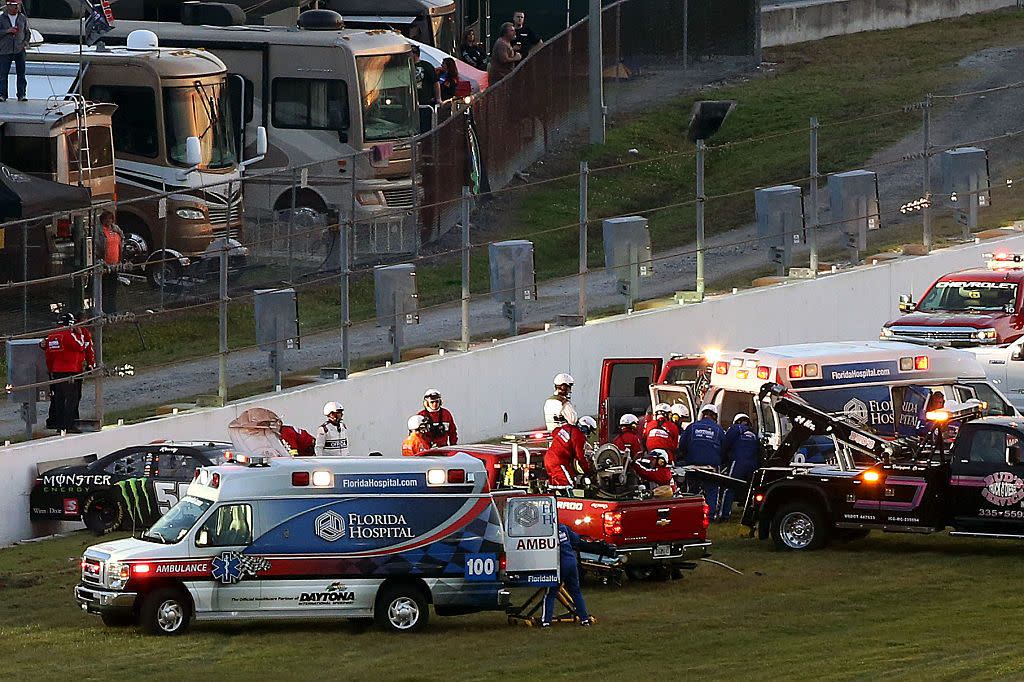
(228, 526)
(990, 445)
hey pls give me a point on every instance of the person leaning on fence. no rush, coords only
(472, 51)
(14, 37)
(503, 57)
(65, 352)
(109, 247)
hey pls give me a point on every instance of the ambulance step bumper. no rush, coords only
(94, 600)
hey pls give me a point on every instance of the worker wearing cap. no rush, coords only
(661, 433)
(558, 409)
(701, 446)
(332, 435)
(417, 441)
(65, 351)
(741, 450)
(440, 422)
(627, 440)
(568, 447)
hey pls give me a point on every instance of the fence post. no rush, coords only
(812, 234)
(348, 241)
(596, 56)
(584, 181)
(686, 34)
(162, 208)
(101, 317)
(700, 219)
(291, 228)
(926, 218)
(222, 374)
(24, 277)
(466, 193)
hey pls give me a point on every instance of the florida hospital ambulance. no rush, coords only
(370, 537)
(882, 384)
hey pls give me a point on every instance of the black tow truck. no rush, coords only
(972, 485)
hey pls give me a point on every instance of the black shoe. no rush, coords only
(3, 99)
(586, 623)
(22, 98)
(545, 625)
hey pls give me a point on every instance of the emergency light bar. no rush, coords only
(205, 477)
(246, 460)
(1002, 260)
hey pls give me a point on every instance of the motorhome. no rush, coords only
(324, 95)
(433, 22)
(173, 132)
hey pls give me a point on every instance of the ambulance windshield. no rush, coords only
(173, 525)
(970, 297)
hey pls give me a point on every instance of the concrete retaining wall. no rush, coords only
(500, 388)
(798, 22)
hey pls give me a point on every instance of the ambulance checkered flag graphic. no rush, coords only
(230, 567)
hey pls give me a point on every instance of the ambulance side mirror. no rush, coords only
(203, 537)
(906, 303)
(1017, 351)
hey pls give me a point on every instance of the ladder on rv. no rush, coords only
(81, 118)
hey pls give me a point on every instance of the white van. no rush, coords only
(880, 383)
(353, 537)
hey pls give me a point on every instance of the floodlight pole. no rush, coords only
(595, 48)
(700, 219)
(812, 233)
(926, 217)
(343, 237)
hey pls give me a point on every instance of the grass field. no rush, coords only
(894, 607)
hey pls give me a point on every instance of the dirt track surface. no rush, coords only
(728, 254)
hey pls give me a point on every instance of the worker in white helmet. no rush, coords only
(701, 446)
(441, 429)
(558, 409)
(416, 442)
(332, 435)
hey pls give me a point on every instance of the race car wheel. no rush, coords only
(118, 619)
(799, 526)
(401, 608)
(166, 611)
(103, 513)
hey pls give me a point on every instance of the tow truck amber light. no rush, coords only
(921, 362)
(796, 371)
(721, 367)
(870, 476)
(456, 475)
(612, 521)
(759, 498)
(322, 479)
(436, 476)
(300, 478)
(937, 416)
(764, 372)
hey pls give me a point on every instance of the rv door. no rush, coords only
(625, 383)
(531, 542)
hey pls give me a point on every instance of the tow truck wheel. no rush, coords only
(799, 526)
(103, 513)
(401, 608)
(166, 611)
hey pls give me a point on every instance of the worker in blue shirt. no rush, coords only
(742, 453)
(701, 446)
(568, 542)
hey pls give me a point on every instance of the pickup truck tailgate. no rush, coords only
(633, 522)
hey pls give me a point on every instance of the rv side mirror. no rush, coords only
(193, 151)
(343, 136)
(906, 303)
(203, 537)
(261, 141)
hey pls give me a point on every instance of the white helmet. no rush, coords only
(740, 416)
(659, 453)
(681, 410)
(416, 421)
(586, 424)
(709, 408)
(563, 378)
(332, 407)
(662, 407)
(628, 419)
(431, 393)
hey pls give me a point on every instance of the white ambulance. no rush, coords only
(882, 384)
(370, 537)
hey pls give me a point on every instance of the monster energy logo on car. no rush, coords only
(134, 491)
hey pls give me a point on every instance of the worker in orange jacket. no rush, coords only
(416, 442)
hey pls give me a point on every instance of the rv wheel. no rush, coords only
(401, 608)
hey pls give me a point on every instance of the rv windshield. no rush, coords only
(388, 97)
(970, 297)
(202, 110)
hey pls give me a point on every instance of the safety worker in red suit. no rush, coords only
(627, 440)
(64, 349)
(661, 433)
(440, 422)
(568, 447)
(654, 468)
(416, 442)
(90, 358)
(558, 409)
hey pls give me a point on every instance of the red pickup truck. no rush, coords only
(626, 386)
(657, 537)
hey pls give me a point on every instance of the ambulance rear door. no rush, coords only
(531, 541)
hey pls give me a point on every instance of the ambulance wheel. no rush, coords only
(401, 608)
(799, 526)
(166, 611)
(103, 513)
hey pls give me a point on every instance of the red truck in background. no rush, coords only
(626, 386)
(656, 537)
(977, 307)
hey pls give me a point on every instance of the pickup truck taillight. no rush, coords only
(612, 522)
(707, 518)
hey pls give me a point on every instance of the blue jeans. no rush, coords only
(5, 71)
(571, 580)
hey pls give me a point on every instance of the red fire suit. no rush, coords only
(567, 445)
(661, 434)
(441, 427)
(628, 441)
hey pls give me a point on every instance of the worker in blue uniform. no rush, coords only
(568, 543)
(701, 446)
(742, 453)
